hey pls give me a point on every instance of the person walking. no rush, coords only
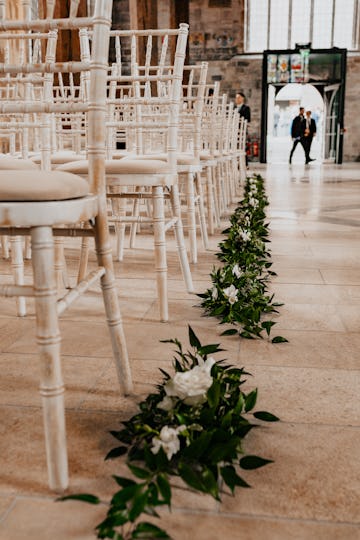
(297, 132)
(309, 134)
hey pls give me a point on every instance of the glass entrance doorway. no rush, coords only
(283, 106)
(314, 79)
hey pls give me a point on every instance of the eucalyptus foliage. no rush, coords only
(191, 428)
(239, 294)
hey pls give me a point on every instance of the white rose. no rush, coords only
(231, 294)
(253, 202)
(166, 404)
(214, 293)
(168, 440)
(236, 271)
(245, 235)
(191, 386)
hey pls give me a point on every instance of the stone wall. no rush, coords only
(216, 33)
(351, 123)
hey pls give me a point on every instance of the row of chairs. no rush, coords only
(182, 146)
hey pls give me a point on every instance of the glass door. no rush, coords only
(332, 124)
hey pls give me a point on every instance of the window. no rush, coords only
(280, 24)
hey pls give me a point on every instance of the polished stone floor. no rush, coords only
(312, 490)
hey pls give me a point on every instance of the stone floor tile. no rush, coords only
(306, 395)
(295, 293)
(202, 526)
(314, 476)
(20, 378)
(6, 504)
(305, 349)
(319, 317)
(350, 316)
(23, 463)
(341, 276)
(42, 519)
(299, 275)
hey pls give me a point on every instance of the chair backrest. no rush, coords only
(146, 97)
(210, 119)
(94, 69)
(191, 109)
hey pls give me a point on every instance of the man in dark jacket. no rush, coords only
(243, 109)
(309, 133)
(297, 131)
(244, 112)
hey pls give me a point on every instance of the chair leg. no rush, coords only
(84, 258)
(160, 250)
(210, 201)
(62, 277)
(111, 301)
(202, 218)
(17, 263)
(179, 233)
(134, 226)
(27, 255)
(120, 228)
(5, 247)
(48, 339)
(191, 217)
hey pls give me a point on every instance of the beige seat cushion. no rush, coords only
(181, 158)
(11, 163)
(60, 157)
(41, 186)
(120, 166)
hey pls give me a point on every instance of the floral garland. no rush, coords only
(239, 293)
(192, 427)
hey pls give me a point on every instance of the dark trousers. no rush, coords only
(296, 142)
(307, 145)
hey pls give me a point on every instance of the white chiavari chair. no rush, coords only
(148, 117)
(41, 203)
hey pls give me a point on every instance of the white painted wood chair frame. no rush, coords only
(191, 112)
(44, 219)
(158, 114)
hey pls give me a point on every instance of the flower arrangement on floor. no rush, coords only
(192, 427)
(239, 293)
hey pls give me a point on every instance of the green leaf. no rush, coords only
(124, 495)
(266, 416)
(164, 488)
(123, 435)
(122, 481)
(209, 349)
(84, 497)
(116, 452)
(213, 394)
(250, 400)
(191, 476)
(230, 332)
(197, 448)
(227, 419)
(253, 462)
(194, 342)
(138, 505)
(139, 472)
(240, 404)
(146, 530)
(268, 325)
(210, 483)
(231, 478)
(279, 339)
